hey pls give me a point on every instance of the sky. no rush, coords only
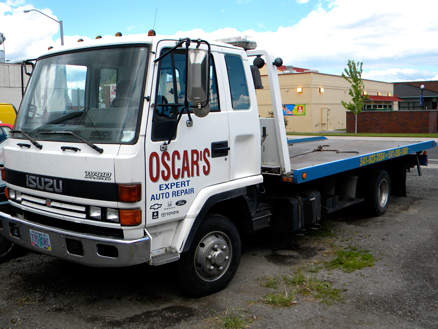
(397, 40)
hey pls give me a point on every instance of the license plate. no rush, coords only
(40, 240)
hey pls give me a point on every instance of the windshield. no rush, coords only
(95, 94)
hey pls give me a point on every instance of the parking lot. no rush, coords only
(398, 291)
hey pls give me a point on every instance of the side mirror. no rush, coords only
(198, 81)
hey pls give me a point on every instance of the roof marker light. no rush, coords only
(98, 37)
(152, 33)
(246, 42)
(118, 34)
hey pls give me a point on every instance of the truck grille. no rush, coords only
(56, 207)
(62, 209)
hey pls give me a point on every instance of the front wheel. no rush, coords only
(378, 192)
(213, 257)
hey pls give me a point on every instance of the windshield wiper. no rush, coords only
(68, 132)
(33, 141)
(60, 120)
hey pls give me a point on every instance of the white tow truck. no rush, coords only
(129, 151)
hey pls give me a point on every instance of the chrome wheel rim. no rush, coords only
(383, 193)
(213, 256)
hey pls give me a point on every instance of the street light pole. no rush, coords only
(61, 30)
(421, 97)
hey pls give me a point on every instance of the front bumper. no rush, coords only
(79, 248)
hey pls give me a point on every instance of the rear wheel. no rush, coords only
(213, 258)
(7, 249)
(378, 192)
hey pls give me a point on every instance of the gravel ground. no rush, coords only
(399, 291)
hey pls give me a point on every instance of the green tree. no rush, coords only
(353, 74)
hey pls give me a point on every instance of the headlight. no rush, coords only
(95, 212)
(112, 215)
(12, 194)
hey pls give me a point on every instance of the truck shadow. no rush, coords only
(135, 282)
(100, 297)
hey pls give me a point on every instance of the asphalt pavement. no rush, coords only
(398, 291)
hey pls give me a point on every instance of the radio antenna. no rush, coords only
(155, 19)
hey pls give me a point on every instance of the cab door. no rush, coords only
(182, 157)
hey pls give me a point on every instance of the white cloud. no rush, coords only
(4, 8)
(20, 42)
(380, 34)
(302, 1)
(396, 75)
(389, 37)
(15, 2)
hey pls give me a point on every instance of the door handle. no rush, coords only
(219, 149)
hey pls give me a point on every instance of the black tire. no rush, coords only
(378, 192)
(7, 249)
(213, 258)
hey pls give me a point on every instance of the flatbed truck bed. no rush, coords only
(332, 155)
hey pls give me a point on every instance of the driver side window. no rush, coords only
(170, 93)
(107, 87)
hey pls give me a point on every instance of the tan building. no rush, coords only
(312, 100)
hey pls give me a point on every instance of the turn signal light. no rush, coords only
(7, 193)
(3, 173)
(130, 193)
(130, 217)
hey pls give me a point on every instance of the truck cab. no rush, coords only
(111, 163)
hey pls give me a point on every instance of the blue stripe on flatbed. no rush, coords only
(336, 167)
(305, 139)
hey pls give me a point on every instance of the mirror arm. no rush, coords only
(24, 71)
(208, 68)
(198, 44)
(186, 108)
(186, 102)
(179, 44)
(164, 146)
